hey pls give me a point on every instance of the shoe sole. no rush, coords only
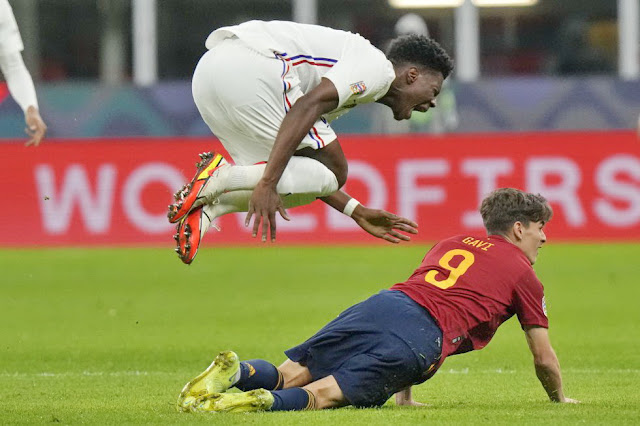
(189, 235)
(189, 194)
(224, 361)
(255, 400)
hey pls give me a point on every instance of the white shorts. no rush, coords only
(243, 97)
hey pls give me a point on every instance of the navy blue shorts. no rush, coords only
(374, 349)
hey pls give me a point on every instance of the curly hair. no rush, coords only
(419, 50)
(506, 206)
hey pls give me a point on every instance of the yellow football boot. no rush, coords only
(217, 378)
(254, 400)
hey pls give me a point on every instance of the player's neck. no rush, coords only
(509, 238)
(390, 98)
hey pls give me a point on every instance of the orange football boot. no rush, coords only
(190, 232)
(192, 192)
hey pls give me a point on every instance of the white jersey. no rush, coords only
(360, 72)
(10, 40)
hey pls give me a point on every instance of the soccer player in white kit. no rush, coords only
(268, 91)
(17, 76)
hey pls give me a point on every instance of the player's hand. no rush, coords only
(265, 202)
(385, 225)
(36, 129)
(405, 397)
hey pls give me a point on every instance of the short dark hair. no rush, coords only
(419, 50)
(506, 206)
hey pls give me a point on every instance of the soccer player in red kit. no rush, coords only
(465, 287)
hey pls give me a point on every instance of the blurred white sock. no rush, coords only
(238, 201)
(301, 176)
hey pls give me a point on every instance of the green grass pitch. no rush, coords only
(110, 336)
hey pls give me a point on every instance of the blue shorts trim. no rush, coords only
(374, 348)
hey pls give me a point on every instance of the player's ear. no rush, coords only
(518, 230)
(412, 75)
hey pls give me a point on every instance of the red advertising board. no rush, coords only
(116, 191)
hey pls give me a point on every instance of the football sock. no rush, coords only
(238, 201)
(232, 202)
(257, 373)
(293, 399)
(301, 176)
(296, 200)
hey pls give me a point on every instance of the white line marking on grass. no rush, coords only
(564, 370)
(467, 371)
(87, 374)
(442, 371)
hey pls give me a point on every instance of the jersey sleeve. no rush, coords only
(363, 74)
(529, 301)
(10, 40)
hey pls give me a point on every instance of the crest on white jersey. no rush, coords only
(358, 88)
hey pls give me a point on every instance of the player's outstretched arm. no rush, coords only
(546, 363)
(23, 91)
(379, 223)
(36, 128)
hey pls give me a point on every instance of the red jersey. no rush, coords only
(472, 285)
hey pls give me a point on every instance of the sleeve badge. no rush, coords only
(358, 88)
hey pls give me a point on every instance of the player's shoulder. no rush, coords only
(6, 13)
(471, 241)
(294, 27)
(489, 249)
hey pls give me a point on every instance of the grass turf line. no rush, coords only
(112, 335)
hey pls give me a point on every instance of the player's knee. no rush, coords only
(324, 398)
(332, 158)
(337, 162)
(341, 170)
(327, 393)
(342, 178)
(294, 374)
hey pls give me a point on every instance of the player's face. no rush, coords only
(419, 94)
(533, 237)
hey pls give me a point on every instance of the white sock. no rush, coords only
(238, 201)
(301, 176)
